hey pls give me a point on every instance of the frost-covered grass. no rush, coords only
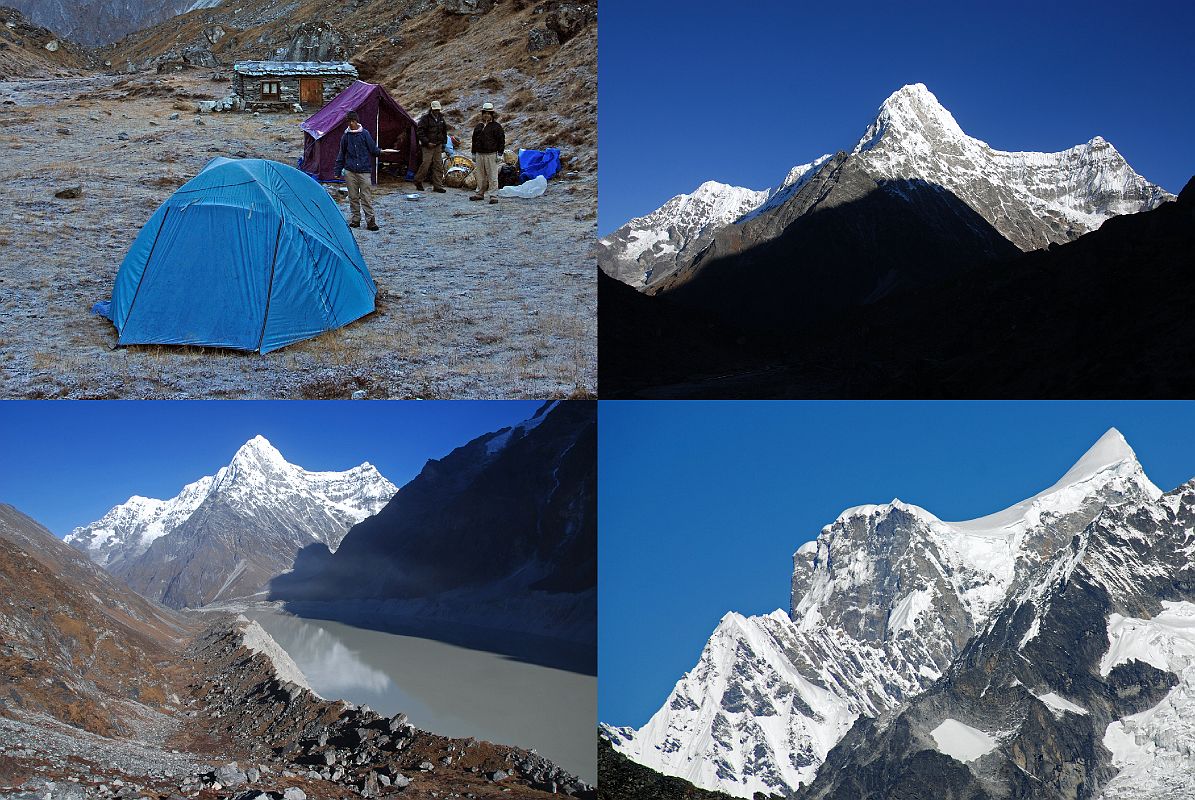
(475, 300)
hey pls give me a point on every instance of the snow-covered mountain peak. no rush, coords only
(258, 477)
(914, 112)
(258, 452)
(1108, 467)
(883, 509)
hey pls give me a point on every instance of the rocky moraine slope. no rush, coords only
(109, 695)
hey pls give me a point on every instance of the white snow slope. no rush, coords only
(771, 695)
(257, 474)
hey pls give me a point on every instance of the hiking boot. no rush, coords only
(439, 189)
(355, 223)
(493, 200)
(418, 186)
(476, 197)
(373, 226)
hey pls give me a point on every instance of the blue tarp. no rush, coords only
(539, 162)
(249, 254)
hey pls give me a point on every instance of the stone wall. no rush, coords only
(249, 87)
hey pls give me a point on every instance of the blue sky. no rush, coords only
(701, 505)
(692, 91)
(65, 464)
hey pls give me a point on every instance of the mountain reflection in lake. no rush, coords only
(446, 688)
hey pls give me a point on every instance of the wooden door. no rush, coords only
(311, 91)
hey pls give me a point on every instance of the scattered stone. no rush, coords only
(359, 394)
(426, 766)
(64, 131)
(124, 137)
(69, 193)
(52, 45)
(176, 115)
(500, 775)
(294, 793)
(400, 781)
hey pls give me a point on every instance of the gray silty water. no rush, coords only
(446, 688)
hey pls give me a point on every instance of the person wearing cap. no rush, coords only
(433, 134)
(489, 140)
(354, 163)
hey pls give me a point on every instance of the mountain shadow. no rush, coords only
(498, 536)
(844, 240)
(1102, 316)
(620, 778)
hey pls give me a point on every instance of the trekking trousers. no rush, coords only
(433, 162)
(360, 195)
(486, 169)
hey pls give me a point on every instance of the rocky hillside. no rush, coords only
(890, 605)
(97, 22)
(75, 644)
(500, 533)
(227, 534)
(29, 50)
(107, 695)
(537, 62)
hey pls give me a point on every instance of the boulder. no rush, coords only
(230, 775)
(465, 6)
(317, 41)
(69, 193)
(52, 45)
(569, 19)
(541, 39)
(294, 793)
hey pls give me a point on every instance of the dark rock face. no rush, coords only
(515, 509)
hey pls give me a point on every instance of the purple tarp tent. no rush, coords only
(392, 128)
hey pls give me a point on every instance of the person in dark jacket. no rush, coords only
(489, 140)
(355, 164)
(433, 134)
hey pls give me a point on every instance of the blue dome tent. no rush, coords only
(249, 254)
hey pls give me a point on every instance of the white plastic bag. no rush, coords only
(532, 188)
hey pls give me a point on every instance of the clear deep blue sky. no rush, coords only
(701, 505)
(690, 91)
(65, 464)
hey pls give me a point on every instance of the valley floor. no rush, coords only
(474, 300)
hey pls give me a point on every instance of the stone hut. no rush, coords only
(278, 85)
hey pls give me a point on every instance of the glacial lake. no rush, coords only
(447, 688)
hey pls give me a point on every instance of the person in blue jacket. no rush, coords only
(355, 164)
